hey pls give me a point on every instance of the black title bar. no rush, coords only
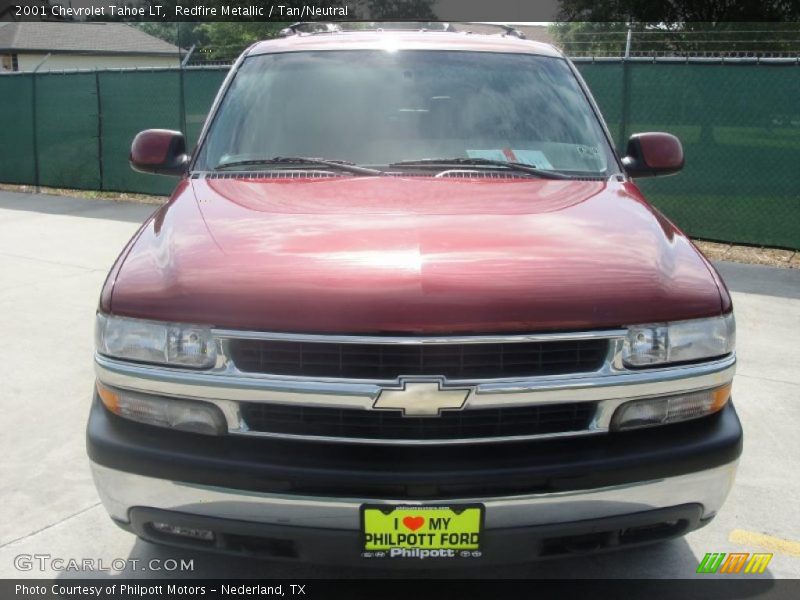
(657, 11)
(114, 588)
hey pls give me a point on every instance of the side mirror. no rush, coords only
(159, 151)
(653, 154)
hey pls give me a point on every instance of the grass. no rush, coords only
(86, 194)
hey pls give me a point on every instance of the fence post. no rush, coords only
(35, 125)
(35, 142)
(99, 128)
(626, 93)
(186, 58)
(628, 43)
(182, 101)
(181, 93)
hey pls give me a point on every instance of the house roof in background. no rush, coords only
(81, 38)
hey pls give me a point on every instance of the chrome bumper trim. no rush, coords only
(122, 491)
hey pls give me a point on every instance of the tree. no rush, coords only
(228, 39)
(183, 33)
(705, 27)
(680, 11)
(418, 10)
(223, 40)
(678, 38)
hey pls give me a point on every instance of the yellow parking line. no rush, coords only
(767, 542)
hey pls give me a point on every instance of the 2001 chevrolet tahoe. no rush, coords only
(407, 306)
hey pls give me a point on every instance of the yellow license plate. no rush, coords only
(421, 531)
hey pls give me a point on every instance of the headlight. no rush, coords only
(670, 409)
(155, 342)
(681, 341)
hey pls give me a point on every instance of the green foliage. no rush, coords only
(216, 40)
(590, 38)
(418, 10)
(680, 11)
(185, 34)
(707, 27)
(226, 39)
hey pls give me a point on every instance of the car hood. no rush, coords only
(411, 255)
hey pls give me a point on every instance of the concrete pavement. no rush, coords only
(54, 255)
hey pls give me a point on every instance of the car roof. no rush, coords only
(403, 40)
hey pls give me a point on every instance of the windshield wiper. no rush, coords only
(513, 166)
(341, 165)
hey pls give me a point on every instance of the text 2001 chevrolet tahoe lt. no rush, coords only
(406, 303)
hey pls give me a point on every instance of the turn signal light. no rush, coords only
(670, 409)
(186, 415)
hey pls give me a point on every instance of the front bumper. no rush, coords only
(322, 545)
(539, 496)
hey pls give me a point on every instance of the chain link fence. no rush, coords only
(739, 120)
(770, 40)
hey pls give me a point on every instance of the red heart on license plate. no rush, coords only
(413, 523)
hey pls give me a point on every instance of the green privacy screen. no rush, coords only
(67, 129)
(17, 164)
(80, 133)
(130, 103)
(739, 123)
(740, 128)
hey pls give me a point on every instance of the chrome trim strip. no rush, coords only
(419, 442)
(121, 491)
(233, 386)
(345, 394)
(417, 340)
(629, 384)
(611, 364)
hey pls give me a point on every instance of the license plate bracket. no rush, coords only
(414, 531)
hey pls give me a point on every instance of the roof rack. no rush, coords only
(317, 27)
(508, 29)
(309, 27)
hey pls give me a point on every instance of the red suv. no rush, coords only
(406, 306)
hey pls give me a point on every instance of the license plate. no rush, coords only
(421, 531)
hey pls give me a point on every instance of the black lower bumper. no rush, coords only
(344, 547)
(418, 473)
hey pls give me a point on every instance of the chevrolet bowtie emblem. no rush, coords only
(421, 398)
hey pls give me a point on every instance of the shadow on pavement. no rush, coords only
(673, 559)
(758, 279)
(133, 212)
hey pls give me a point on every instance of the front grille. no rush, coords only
(389, 361)
(392, 425)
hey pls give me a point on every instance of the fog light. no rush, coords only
(670, 409)
(189, 532)
(185, 415)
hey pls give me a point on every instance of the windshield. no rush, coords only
(376, 108)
